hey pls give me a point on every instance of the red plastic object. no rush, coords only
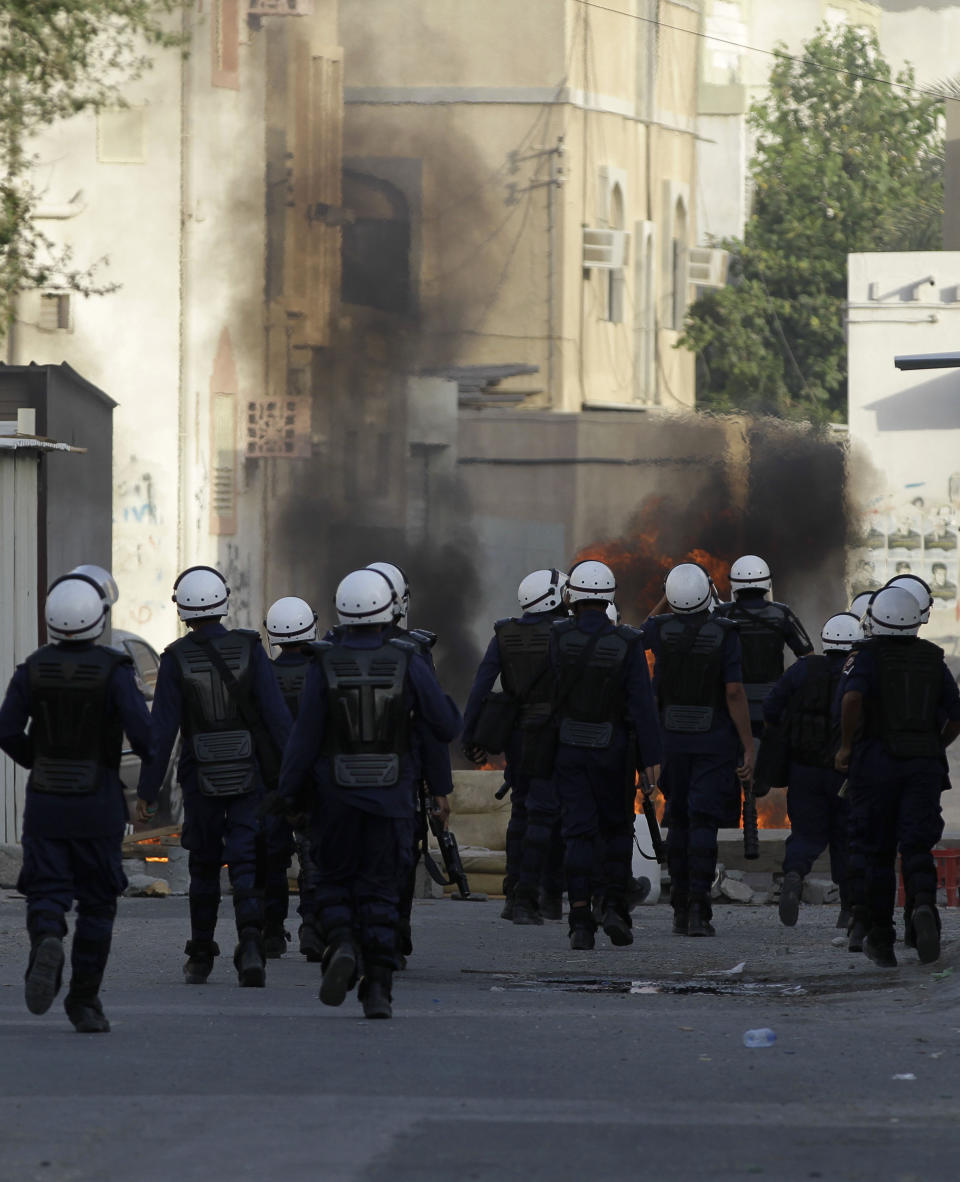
(948, 876)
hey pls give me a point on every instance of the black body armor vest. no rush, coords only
(690, 681)
(810, 729)
(597, 701)
(212, 725)
(291, 678)
(525, 670)
(763, 634)
(910, 673)
(73, 740)
(368, 719)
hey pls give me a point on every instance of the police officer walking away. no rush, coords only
(766, 628)
(802, 704)
(603, 687)
(704, 722)
(217, 687)
(519, 654)
(79, 699)
(291, 625)
(367, 700)
(896, 696)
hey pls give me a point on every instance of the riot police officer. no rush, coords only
(766, 628)
(801, 704)
(896, 696)
(919, 589)
(603, 688)
(704, 720)
(435, 773)
(291, 625)
(367, 699)
(79, 699)
(217, 687)
(519, 655)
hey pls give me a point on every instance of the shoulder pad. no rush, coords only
(251, 632)
(175, 643)
(317, 647)
(628, 632)
(498, 624)
(118, 655)
(928, 644)
(406, 646)
(565, 625)
(723, 622)
(422, 636)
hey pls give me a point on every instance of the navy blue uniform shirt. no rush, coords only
(641, 711)
(103, 813)
(434, 715)
(722, 737)
(168, 714)
(488, 671)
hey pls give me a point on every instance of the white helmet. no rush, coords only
(749, 571)
(860, 603)
(200, 593)
(590, 580)
(366, 597)
(397, 579)
(841, 632)
(613, 613)
(918, 589)
(291, 620)
(688, 588)
(103, 578)
(76, 608)
(542, 590)
(894, 611)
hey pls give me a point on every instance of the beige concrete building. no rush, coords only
(533, 167)
(208, 197)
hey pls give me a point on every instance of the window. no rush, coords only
(54, 315)
(376, 245)
(225, 44)
(645, 374)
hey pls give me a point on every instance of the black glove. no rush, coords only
(474, 753)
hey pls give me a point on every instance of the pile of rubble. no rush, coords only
(758, 889)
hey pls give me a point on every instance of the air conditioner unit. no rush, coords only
(606, 249)
(707, 266)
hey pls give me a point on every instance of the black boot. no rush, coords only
(404, 937)
(878, 945)
(83, 1007)
(790, 891)
(311, 942)
(508, 897)
(844, 918)
(582, 927)
(275, 937)
(44, 973)
(375, 993)
(681, 906)
(339, 970)
(526, 908)
(551, 906)
(699, 915)
(249, 961)
(617, 925)
(200, 957)
(857, 932)
(926, 930)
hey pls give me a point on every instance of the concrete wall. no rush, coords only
(905, 427)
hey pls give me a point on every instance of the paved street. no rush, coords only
(508, 1058)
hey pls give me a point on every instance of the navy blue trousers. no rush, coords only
(895, 804)
(279, 847)
(818, 820)
(700, 791)
(541, 857)
(596, 803)
(218, 830)
(57, 871)
(362, 859)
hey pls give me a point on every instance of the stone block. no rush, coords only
(11, 863)
(132, 866)
(145, 886)
(424, 886)
(820, 890)
(735, 890)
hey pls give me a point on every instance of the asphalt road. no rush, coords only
(508, 1058)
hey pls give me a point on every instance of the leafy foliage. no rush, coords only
(58, 58)
(848, 158)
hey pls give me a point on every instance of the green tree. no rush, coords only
(58, 58)
(848, 158)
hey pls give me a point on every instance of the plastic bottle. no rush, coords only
(764, 1037)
